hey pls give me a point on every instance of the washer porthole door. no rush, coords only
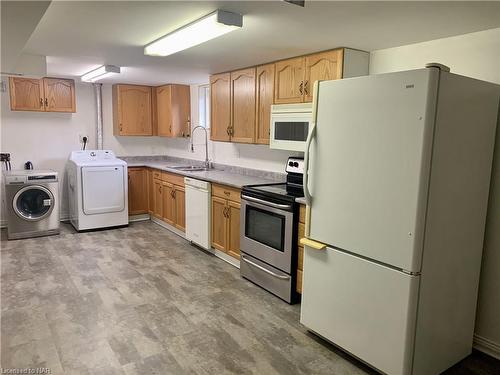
(33, 203)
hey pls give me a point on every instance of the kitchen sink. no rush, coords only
(189, 168)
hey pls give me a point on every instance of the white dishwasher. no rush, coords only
(198, 212)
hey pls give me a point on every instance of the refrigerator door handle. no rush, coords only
(310, 136)
(312, 244)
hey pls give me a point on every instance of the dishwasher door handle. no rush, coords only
(282, 277)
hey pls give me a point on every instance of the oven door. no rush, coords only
(289, 131)
(266, 231)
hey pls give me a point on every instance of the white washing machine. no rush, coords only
(32, 203)
(98, 189)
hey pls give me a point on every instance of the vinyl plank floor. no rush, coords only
(141, 300)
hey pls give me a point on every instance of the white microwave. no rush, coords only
(290, 126)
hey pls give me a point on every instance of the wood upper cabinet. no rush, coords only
(26, 94)
(172, 110)
(137, 187)
(132, 114)
(226, 220)
(220, 99)
(264, 100)
(242, 129)
(42, 95)
(289, 81)
(321, 66)
(59, 95)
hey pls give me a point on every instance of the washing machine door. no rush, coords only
(33, 202)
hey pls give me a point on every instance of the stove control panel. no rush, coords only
(295, 165)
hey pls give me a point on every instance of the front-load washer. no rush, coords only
(98, 189)
(32, 203)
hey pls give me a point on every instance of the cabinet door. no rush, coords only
(220, 107)
(219, 223)
(132, 110)
(321, 66)
(180, 208)
(163, 110)
(233, 242)
(180, 107)
(151, 191)
(137, 191)
(59, 95)
(289, 81)
(158, 199)
(264, 100)
(168, 203)
(26, 94)
(243, 106)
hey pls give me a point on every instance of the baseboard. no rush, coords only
(487, 346)
(227, 258)
(168, 226)
(141, 217)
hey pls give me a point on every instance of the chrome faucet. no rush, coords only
(207, 162)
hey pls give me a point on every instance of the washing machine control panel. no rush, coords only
(92, 155)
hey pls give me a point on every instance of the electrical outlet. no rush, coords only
(80, 137)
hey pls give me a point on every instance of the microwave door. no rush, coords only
(289, 132)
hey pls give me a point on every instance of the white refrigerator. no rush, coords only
(397, 178)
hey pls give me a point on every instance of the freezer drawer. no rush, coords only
(365, 308)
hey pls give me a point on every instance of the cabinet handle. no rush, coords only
(46, 102)
(226, 215)
(121, 127)
(41, 102)
(306, 90)
(300, 87)
(227, 193)
(228, 131)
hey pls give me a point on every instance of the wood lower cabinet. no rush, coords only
(180, 207)
(168, 203)
(132, 114)
(300, 249)
(226, 219)
(42, 95)
(137, 186)
(264, 99)
(151, 191)
(172, 106)
(233, 242)
(289, 81)
(220, 104)
(157, 199)
(219, 225)
(242, 128)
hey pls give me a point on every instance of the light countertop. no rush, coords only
(219, 176)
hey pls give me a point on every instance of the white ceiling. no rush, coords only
(79, 36)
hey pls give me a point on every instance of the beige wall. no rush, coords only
(475, 55)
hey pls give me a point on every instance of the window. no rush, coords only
(204, 105)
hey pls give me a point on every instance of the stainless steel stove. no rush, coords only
(269, 221)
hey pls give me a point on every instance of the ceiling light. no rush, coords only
(209, 27)
(100, 73)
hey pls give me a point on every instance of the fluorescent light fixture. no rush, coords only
(100, 73)
(209, 27)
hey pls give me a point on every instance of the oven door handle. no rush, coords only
(266, 203)
(282, 277)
